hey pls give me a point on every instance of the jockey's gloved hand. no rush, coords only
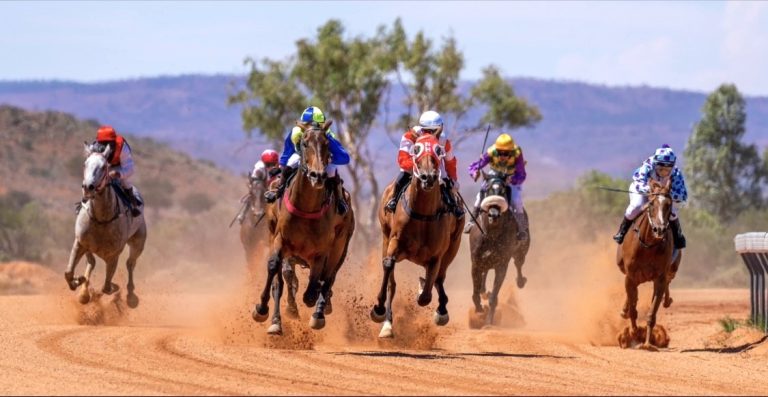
(475, 175)
(274, 171)
(114, 174)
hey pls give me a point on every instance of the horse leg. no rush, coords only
(110, 287)
(441, 314)
(659, 288)
(277, 292)
(75, 255)
(317, 321)
(499, 273)
(631, 303)
(136, 246)
(478, 280)
(521, 280)
(312, 293)
(379, 311)
(261, 310)
(85, 295)
(289, 275)
(425, 297)
(386, 329)
(482, 290)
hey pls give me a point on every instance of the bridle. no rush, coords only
(647, 210)
(303, 162)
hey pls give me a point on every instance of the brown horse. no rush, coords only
(648, 255)
(421, 230)
(305, 229)
(254, 236)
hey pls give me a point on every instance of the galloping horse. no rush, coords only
(254, 235)
(648, 255)
(494, 248)
(304, 228)
(421, 230)
(103, 227)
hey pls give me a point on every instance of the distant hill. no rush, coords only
(585, 126)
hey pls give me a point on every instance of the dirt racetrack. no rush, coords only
(193, 344)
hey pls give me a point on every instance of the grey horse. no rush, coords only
(103, 227)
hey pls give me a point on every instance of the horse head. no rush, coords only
(95, 170)
(315, 154)
(495, 201)
(659, 207)
(426, 154)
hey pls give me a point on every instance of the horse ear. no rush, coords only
(107, 150)
(327, 125)
(86, 148)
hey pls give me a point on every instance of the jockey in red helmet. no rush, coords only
(120, 163)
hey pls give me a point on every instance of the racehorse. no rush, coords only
(421, 230)
(304, 228)
(648, 254)
(103, 227)
(493, 244)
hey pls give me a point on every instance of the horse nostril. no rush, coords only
(313, 174)
(423, 177)
(91, 187)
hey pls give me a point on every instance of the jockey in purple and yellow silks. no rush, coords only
(290, 159)
(506, 160)
(660, 167)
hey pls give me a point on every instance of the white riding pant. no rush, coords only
(295, 160)
(516, 192)
(636, 202)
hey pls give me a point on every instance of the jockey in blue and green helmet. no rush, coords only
(290, 158)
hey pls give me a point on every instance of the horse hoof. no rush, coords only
(275, 329)
(424, 299)
(648, 347)
(668, 302)
(260, 313)
(624, 314)
(441, 319)
(310, 299)
(111, 289)
(377, 316)
(317, 322)
(476, 319)
(132, 300)
(84, 297)
(521, 282)
(386, 330)
(292, 311)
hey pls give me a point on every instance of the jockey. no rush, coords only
(120, 164)
(660, 167)
(290, 159)
(430, 122)
(506, 159)
(263, 172)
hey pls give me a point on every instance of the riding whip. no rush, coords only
(482, 149)
(610, 189)
(471, 214)
(238, 214)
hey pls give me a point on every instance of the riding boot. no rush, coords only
(402, 181)
(522, 225)
(447, 192)
(285, 174)
(335, 185)
(135, 203)
(625, 224)
(475, 214)
(677, 234)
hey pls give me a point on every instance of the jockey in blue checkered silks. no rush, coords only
(660, 167)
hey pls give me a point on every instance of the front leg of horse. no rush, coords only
(318, 317)
(75, 255)
(261, 310)
(379, 311)
(659, 288)
(289, 275)
(628, 335)
(521, 280)
(478, 281)
(500, 272)
(312, 293)
(425, 297)
(84, 296)
(441, 314)
(277, 292)
(109, 287)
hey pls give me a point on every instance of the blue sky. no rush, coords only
(683, 45)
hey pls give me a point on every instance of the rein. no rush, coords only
(89, 211)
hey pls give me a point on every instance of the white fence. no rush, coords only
(753, 248)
